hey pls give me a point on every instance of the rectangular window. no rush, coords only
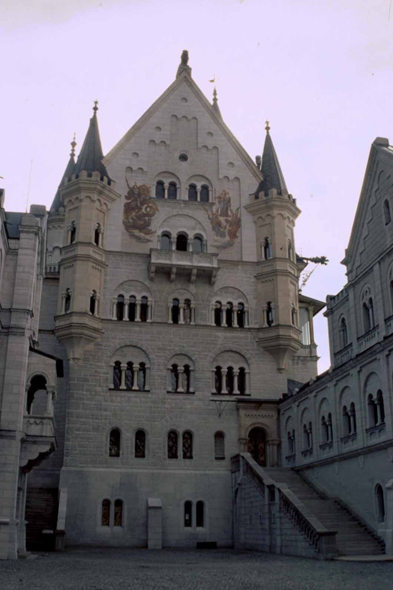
(305, 326)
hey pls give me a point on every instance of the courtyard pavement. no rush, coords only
(140, 569)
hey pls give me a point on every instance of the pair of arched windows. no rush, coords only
(164, 191)
(199, 513)
(343, 333)
(115, 443)
(130, 376)
(180, 378)
(368, 315)
(173, 445)
(291, 442)
(349, 420)
(230, 380)
(326, 429)
(376, 409)
(132, 308)
(183, 242)
(181, 312)
(198, 194)
(109, 518)
(307, 436)
(230, 315)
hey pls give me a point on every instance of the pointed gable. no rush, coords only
(370, 233)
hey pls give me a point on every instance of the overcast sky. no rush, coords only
(319, 70)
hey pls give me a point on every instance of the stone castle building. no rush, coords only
(158, 365)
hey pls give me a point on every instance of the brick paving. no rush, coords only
(139, 569)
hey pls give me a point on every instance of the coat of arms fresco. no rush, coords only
(138, 212)
(224, 221)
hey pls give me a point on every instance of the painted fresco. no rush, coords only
(224, 221)
(138, 212)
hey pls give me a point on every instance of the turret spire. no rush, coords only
(91, 156)
(270, 167)
(67, 174)
(216, 108)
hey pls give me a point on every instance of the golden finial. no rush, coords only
(95, 108)
(73, 146)
(267, 126)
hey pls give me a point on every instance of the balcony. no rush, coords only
(369, 339)
(38, 440)
(343, 355)
(175, 262)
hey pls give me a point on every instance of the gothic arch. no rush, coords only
(133, 344)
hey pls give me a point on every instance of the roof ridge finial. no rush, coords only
(183, 67)
(267, 127)
(73, 146)
(95, 108)
(215, 95)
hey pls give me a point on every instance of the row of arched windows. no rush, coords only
(171, 190)
(97, 236)
(132, 309)
(130, 376)
(183, 242)
(181, 312)
(230, 315)
(173, 444)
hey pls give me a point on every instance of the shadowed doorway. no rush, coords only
(257, 445)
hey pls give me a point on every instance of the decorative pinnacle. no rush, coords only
(73, 146)
(267, 126)
(215, 95)
(95, 108)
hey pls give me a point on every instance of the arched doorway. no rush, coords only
(257, 445)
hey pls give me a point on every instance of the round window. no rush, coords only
(183, 157)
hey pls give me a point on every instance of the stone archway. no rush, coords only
(257, 447)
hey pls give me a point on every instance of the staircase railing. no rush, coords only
(323, 540)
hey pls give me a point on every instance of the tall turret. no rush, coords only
(274, 212)
(86, 197)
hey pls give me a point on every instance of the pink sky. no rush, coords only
(320, 71)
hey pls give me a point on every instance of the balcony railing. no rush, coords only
(369, 339)
(191, 263)
(343, 355)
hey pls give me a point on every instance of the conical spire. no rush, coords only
(216, 108)
(91, 156)
(270, 167)
(67, 174)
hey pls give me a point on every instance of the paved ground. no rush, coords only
(123, 569)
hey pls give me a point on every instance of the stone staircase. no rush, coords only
(352, 537)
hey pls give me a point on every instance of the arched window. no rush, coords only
(219, 446)
(204, 195)
(182, 243)
(140, 444)
(380, 407)
(352, 415)
(310, 439)
(229, 380)
(197, 244)
(116, 375)
(290, 250)
(242, 381)
(324, 430)
(142, 377)
(172, 445)
(346, 422)
(175, 311)
(267, 249)
(187, 378)
(97, 233)
(105, 513)
(174, 377)
(172, 190)
(218, 380)
(386, 212)
(120, 307)
(391, 296)
(218, 313)
(93, 302)
(144, 309)
(132, 309)
(37, 384)
(187, 445)
(371, 311)
(187, 311)
(380, 503)
(188, 514)
(165, 242)
(269, 314)
(67, 300)
(330, 427)
(305, 437)
(343, 330)
(200, 514)
(73, 232)
(372, 411)
(114, 443)
(160, 189)
(129, 375)
(192, 193)
(294, 316)
(229, 314)
(240, 315)
(118, 520)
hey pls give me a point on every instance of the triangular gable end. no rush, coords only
(185, 78)
(380, 152)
